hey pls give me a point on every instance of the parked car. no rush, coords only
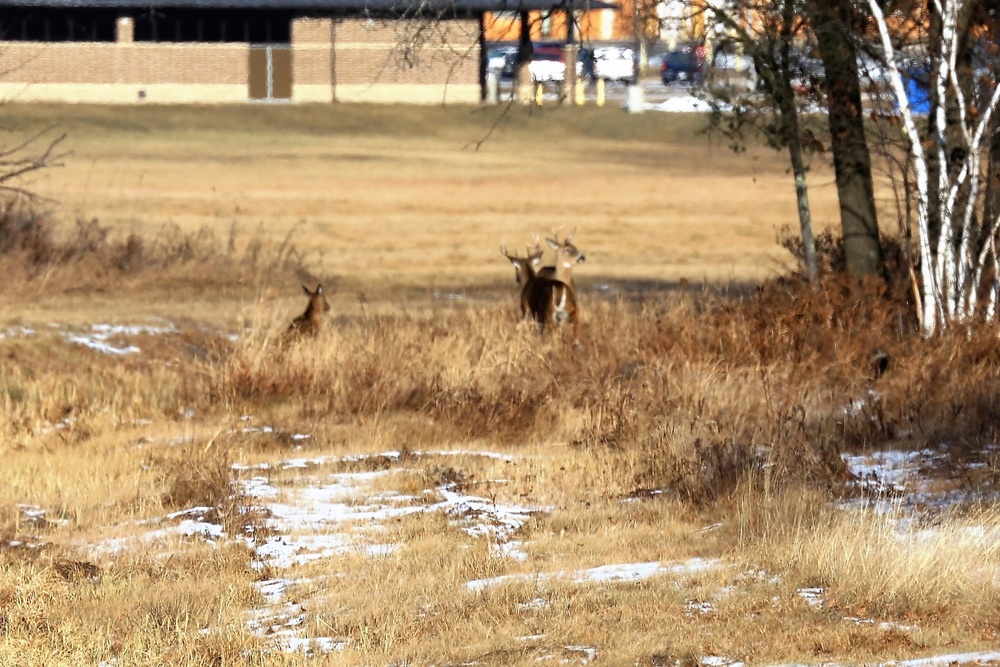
(497, 58)
(546, 66)
(685, 65)
(547, 62)
(614, 63)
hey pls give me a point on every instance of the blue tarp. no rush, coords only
(917, 82)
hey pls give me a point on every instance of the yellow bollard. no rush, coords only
(539, 94)
(578, 90)
(600, 92)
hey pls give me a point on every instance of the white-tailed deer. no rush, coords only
(567, 255)
(310, 322)
(550, 301)
(525, 268)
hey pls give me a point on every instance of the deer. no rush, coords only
(567, 255)
(525, 268)
(550, 300)
(310, 322)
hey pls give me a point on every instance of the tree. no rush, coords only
(23, 156)
(959, 272)
(835, 22)
(770, 46)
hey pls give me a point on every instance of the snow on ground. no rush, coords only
(603, 574)
(311, 514)
(104, 338)
(900, 481)
(683, 104)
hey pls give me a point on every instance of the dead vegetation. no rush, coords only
(695, 421)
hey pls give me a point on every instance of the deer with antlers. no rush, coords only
(309, 322)
(567, 255)
(547, 293)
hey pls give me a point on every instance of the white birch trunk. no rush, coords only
(953, 272)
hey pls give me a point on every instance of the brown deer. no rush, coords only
(310, 322)
(525, 268)
(567, 255)
(549, 300)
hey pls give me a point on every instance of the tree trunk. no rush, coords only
(790, 121)
(851, 159)
(784, 96)
(524, 91)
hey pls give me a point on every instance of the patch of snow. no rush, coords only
(511, 550)
(602, 574)
(17, 332)
(311, 645)
(814, 596)
(101, 335)
(887, 470)
(694, 607)
(685, 104)
(720, 661)
(536, 603)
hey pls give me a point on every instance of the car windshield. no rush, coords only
(613, 54)
(680, 59)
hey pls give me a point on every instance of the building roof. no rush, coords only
(400, 7)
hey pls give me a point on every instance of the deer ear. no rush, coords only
(306, 290)
(553, 244)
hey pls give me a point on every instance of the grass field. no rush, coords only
(714, 477)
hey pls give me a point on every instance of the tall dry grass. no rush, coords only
(37, 252)
(874, 560)
(695, 420)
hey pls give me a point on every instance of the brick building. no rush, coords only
(217, 51)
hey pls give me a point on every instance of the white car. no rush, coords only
(547, 67)
(614, 63)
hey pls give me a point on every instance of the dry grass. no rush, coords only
(696, 421)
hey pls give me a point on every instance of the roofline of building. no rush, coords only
(423, 8)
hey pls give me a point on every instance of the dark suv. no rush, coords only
(685, 65)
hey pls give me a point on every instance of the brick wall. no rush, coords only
(312, 60)
(344, 59)
(382, 61)
(138, 63)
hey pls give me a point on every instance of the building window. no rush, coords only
(43, 24)
(253, 27)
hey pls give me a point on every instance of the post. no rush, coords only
(125, 30)
(636, 99)
(600, 92)
(492, 88)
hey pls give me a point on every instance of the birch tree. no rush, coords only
(770, 45)
(959, 272)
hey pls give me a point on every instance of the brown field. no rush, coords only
(425, 198)
(704, 426)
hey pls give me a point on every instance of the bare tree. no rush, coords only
(24, 156)
(770, 44)
(959, 272)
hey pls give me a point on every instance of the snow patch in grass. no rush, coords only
(107, 338)
(625, 572)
